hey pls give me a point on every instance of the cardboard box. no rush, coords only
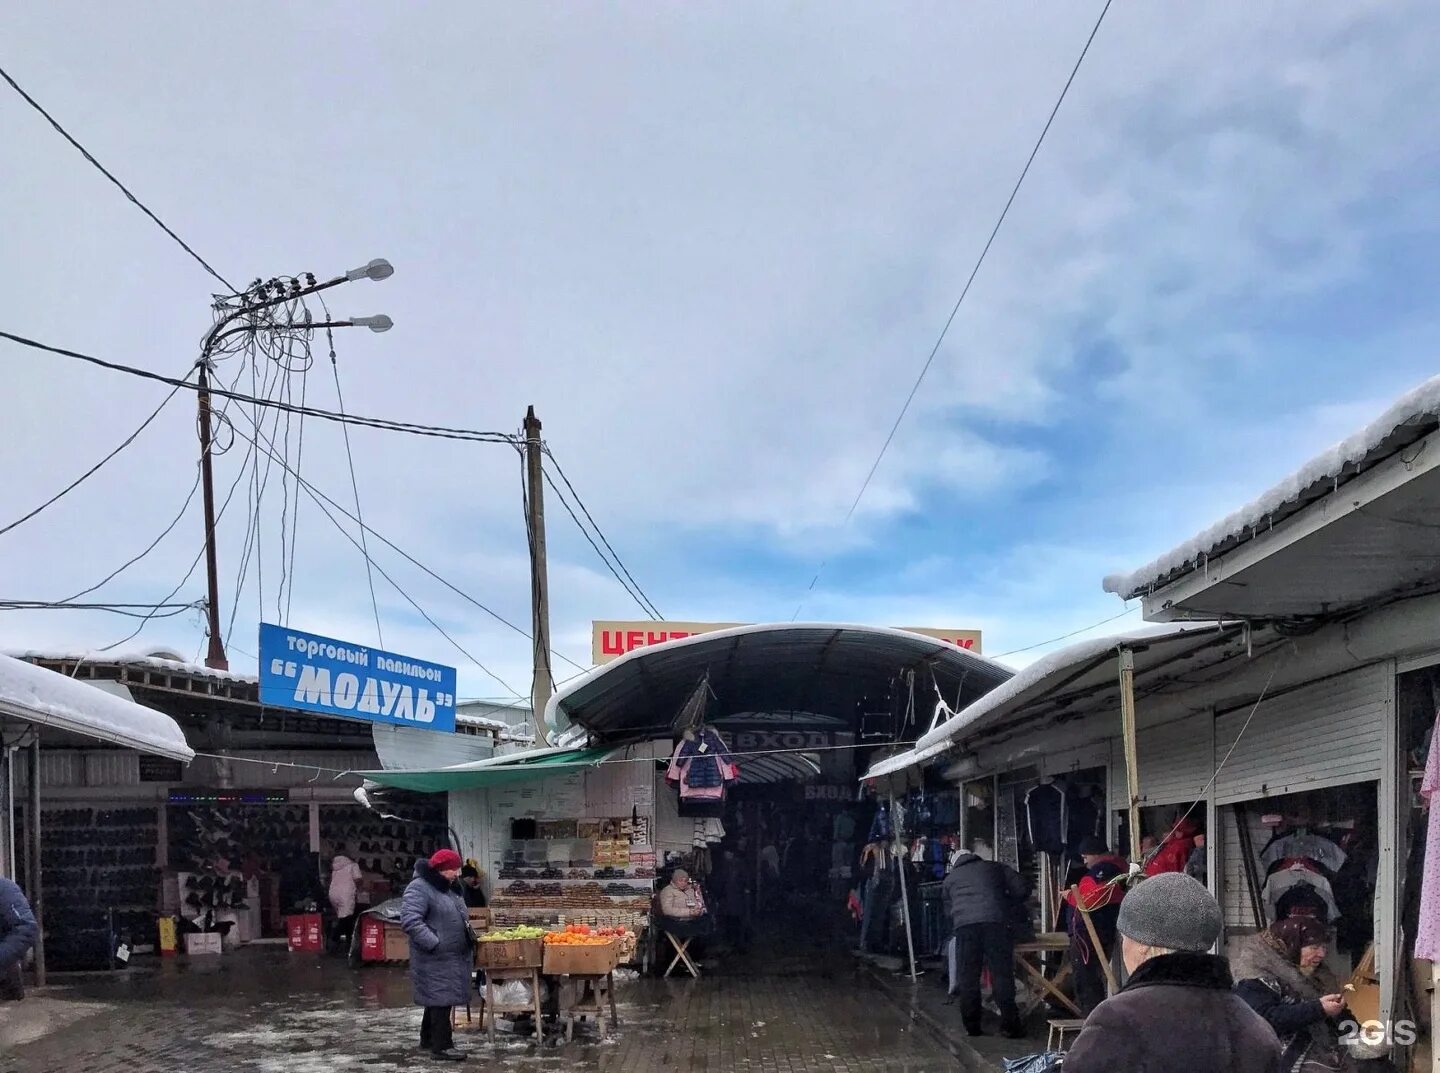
(594, 960)
(510, 954)
(202, 943)
(397, 943)
(479, 919)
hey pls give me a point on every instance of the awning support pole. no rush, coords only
(1132, 763)
(904, 895)
(32, 861)
(7, 814)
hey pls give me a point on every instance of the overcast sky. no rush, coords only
(713, 245)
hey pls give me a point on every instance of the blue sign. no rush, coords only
(320, 674)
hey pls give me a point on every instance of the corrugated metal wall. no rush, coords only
(1174, 763)
(1326, 734)
(1234, 893)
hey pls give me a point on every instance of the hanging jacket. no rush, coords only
(702, 767)
(1046, 817)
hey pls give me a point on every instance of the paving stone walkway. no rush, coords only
(266, 1011)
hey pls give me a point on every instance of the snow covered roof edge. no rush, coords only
(1290, 495)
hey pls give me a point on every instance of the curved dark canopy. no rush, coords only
(828, 670)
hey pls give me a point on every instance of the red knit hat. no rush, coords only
(444, 859)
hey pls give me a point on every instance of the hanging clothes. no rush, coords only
(1312, 847)
(1427, 932)
(1084, 817)
(1281, 882)
(1046, 817)
(702, 768)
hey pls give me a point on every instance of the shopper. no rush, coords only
(344, 885)
(18, 932)
(1176, 1010)
(1174, 853)
(1098, 894)
(735, 900)
(441, 949)
(1281, 975)
(471, 888)
(981, 897)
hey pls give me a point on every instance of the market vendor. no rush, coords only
(472, 888)
(682, 907)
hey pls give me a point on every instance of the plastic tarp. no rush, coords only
(497, 771)
(35, 695)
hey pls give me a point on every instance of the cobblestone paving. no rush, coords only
(269, 1012)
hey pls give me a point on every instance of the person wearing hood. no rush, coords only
(1280, 974)
(981, 898)
(345, 878)
(1099, 894)
(1176, 1010)
(1173, 854)
(441, 949)
(18, 932)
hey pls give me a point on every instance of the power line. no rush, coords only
(268, 448)
(354, 484)
(383, 423)
(633, 593)
(130, 610)
(945, 329)
(645, 602)
(78, 481)
(1067, 636)
(106, 172)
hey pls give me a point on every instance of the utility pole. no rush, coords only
(215, 656)
(543, 684)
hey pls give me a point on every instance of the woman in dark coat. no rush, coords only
(1280, 976)
(441, 949)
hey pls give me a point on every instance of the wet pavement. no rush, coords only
(268, 1011)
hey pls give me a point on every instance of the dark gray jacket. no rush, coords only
(441, 943)
(1176, 1012)
(978, 891)
(18, 932)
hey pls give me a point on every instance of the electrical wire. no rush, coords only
(107, 173)
(633, 593)
(1067, 636)
(955, 310)
(382, 423)
(268, 448)
(130, 610)
(78, 481)
(645, 601)
(354, 484)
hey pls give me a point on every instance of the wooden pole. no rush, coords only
(215, 655)
(542, 685)
(1132, 762)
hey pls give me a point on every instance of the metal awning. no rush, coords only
(31, 694)
(1075, 682)
(497, 771)
(1350, 530)
(825, 669)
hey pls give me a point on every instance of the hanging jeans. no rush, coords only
(875, 920)
(988, 946)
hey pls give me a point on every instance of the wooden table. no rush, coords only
(490, 1008)
(601, 989)
(1028, 960)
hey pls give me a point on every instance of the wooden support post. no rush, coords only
(1132, 762)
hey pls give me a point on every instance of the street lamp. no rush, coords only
(252, 301)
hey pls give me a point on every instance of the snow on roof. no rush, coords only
(35, 695)
(1320, 476)
(144, 660)
(1028, 684)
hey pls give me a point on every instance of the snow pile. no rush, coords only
(143, 661)
(36, 695)
(1325, 468)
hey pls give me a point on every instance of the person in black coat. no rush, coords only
(1176, 1010)
(18, 932)
(471, 888)
(441, 949)
(981, 898)
(1280, 975)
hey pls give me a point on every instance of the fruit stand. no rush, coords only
(513, 954)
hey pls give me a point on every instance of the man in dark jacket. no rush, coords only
(1176, 1011)
(981, 897)
(441, 949)
(1099, 894)
(18, 932)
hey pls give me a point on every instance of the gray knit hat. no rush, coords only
(1171, 911)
